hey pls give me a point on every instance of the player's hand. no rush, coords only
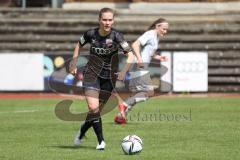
(140, 63)
(121, 76)
(163, 58)
(73, 67)
(73, 71)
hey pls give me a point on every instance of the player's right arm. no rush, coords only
(73, 64)
(141, 41)
(83, 40)
(136, 48)
(160, 57)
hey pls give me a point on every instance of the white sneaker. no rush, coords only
(101, 146)
(77, 141)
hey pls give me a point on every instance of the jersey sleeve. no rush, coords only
(124, 45)
(85, 38)
(144, 38)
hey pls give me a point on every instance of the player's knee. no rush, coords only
(93, 115)
(93, 107)
(95, 110)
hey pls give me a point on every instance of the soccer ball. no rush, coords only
(132, 144)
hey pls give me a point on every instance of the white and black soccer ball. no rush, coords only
(132, 144)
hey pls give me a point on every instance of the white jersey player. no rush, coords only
(140, 83)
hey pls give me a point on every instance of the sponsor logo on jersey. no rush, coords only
(100, 51)
(93, 41)
(109, 42)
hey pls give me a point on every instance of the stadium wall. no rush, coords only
(55, 32)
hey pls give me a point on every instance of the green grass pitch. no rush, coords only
(178, 128)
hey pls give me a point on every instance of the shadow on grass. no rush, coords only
(74, 147)
(131, 123)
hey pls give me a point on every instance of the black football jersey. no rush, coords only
(103, 49)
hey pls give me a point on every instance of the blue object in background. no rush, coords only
(69, 79)
(128, 76)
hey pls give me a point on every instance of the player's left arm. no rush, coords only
(129, 61)
(127, 51)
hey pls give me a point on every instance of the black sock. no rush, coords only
(86, 125)
(97, 126)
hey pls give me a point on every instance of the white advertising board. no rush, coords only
(21, 72)
(190, 72)
(166, 73)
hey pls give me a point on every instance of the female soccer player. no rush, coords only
(140, 81)
(100, 73)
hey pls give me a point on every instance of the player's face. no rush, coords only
(106, 21)
(162, 28)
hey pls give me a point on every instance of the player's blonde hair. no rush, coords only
(153, 25)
